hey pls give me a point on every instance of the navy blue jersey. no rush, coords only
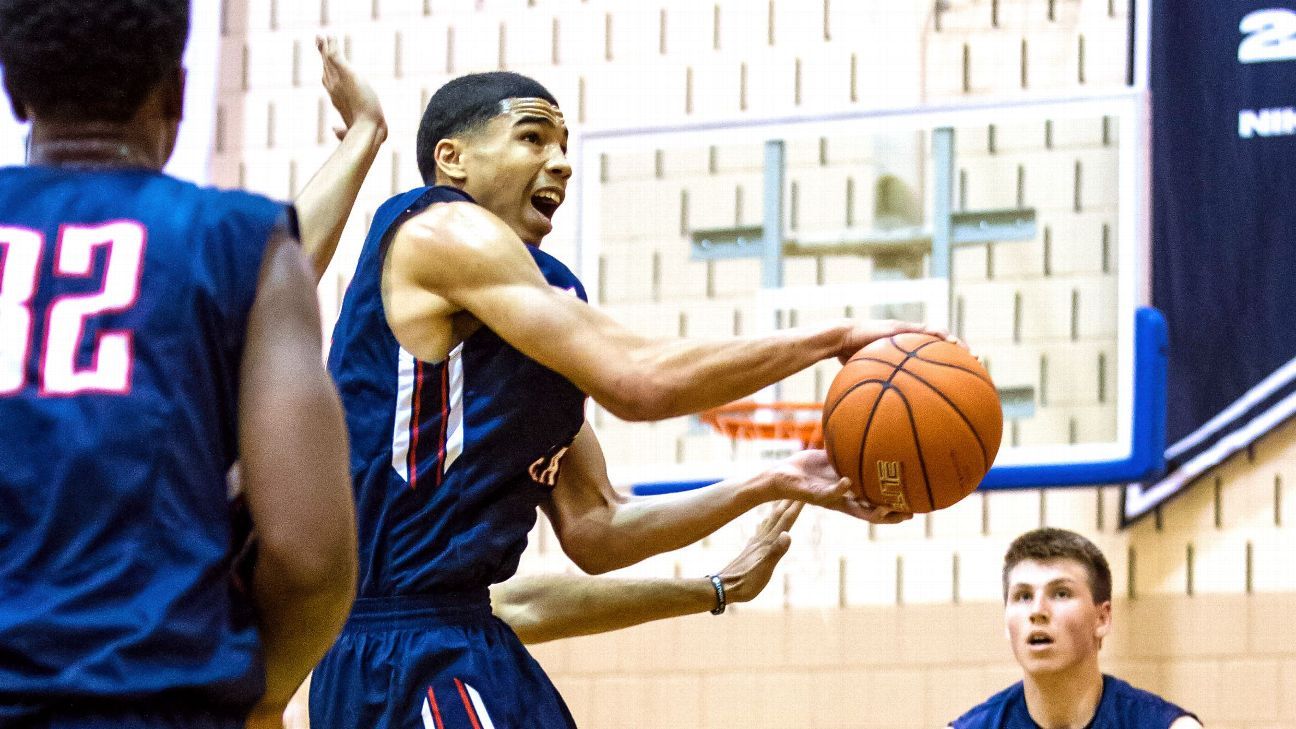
(124, 298)
(449, 459)
(1121, 707)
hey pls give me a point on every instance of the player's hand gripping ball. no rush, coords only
(913, 421)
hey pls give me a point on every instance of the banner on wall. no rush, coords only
(1223, 90)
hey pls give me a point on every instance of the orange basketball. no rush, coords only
(913, 421)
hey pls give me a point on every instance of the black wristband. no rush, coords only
(720, 595)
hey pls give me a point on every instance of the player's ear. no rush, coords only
(1104, 620)
(449, 160)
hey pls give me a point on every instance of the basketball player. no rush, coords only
(464, 355)
(151, 332)
(538, 607)
(1057, 610)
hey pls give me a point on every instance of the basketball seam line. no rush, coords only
(914, 354)
(828, 411)
(863, 437)
(911, 352)
(985, 453)
(922, 462)
(831, 409)
(925, 361)
(877, 402)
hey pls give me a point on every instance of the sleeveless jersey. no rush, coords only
(1122, 706)
(450, 459)
(124, 298)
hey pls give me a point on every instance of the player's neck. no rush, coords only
(144, 140)
(92, 144)
(1067, 699)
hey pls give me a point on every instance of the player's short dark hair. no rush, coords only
(1048, 544)
(467, 103)
(89, 59)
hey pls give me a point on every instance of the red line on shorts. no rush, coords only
(436, 712)
(472, 713)
(414, 426)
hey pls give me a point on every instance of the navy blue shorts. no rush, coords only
(432, 663)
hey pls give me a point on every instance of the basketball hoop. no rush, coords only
(749, 420)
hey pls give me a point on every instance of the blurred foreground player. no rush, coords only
(1057, 610)
(151, 333)
(464, 355)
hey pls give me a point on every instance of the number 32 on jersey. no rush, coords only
(64, 318)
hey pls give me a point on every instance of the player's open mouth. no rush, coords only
(547, 201)
(1038, 639)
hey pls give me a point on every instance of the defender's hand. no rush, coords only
(809, 476)
(351, 95)
(863, 333)
(750, 572)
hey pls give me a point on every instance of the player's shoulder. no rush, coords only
(987, 712)
(1129, 700)
(426, 210)
(234, 202)
(445, 226)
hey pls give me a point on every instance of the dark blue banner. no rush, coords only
(1223, 86)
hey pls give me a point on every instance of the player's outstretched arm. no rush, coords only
(325, 202)
(602, 530)
(467, 259)
(549, 607)
(293, 446)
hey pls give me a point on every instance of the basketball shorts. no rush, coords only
(440, 662)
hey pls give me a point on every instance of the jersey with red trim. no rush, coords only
(124, 298)
(449, 459)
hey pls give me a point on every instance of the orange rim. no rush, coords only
(749, 420)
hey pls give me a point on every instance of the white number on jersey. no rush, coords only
(65, 319)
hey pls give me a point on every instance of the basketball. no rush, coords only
(913, 421)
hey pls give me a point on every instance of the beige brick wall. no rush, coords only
(1229, 658)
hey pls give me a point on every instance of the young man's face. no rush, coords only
(517, 166)
(1051, 618)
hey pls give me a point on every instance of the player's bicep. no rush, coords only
(292, 438)
(474, 263)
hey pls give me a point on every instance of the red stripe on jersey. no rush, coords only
(468, 707)
(436, 711)
(414, 426)
(445, 420)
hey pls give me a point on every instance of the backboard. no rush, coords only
(1020, 226)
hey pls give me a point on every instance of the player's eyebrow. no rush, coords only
(544, 120)
(1055, 582)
